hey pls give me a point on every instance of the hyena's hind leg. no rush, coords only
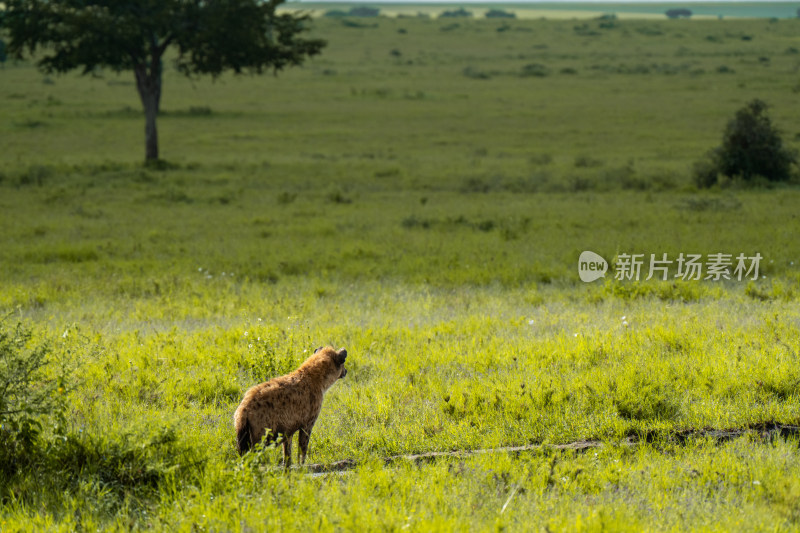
(287, 450)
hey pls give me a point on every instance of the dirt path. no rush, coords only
(766, 431)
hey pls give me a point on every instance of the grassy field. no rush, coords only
(572, 9)
(420, 194)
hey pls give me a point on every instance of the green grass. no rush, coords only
(425, 209)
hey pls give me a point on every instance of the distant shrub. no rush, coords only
(358, 11)
(199, 111)
(499, 14)
(349, 23)
(700, 204)
(456, 13)
(540, 159)
(3, 54)
(485, 225)
(751, 148)
(705, 172)
(412, 221)
(475, 184)
(585, 161)
(607, 21)
(337, 196)
(535, 70)
(31, 123)
(649, 31)
(364, 11)
(475, 74)
(35, 175)
(681, 13)
(286, 198)
(585, 30)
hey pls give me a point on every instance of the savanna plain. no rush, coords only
(420, 194)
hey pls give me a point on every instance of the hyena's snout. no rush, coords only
(341, 356)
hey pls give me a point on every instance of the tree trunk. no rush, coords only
(148, 83)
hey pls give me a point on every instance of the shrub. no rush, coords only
(130, 463)
(751, 149)
(535, 70)
(456, 13)
(364, 11)
(499, 13)
(475, 73)
(678, 13)
(705, 172)
(359, 11)
(29, 393)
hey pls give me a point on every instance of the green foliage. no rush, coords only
(455, 13)
(236, 34)
(751, 148)
(499, 13)
(127, 464)
(30, 391)
(677, 13)
(363, 11)
(210, 38)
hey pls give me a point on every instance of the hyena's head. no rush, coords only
(329, 362)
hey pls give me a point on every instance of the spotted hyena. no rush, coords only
(284, 405)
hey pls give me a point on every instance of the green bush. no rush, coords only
(364, 11)
(499, 13)
(751, 149)
(29, 394)
(127, 464)
(456, 13)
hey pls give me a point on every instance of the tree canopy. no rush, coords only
(210, 37)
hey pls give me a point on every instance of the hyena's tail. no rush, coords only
(243, 440)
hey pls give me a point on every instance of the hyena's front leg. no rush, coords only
(302, 440)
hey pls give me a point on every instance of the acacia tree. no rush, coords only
(209, 36)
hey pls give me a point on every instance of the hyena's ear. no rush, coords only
(318, 349)
(340, 356)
